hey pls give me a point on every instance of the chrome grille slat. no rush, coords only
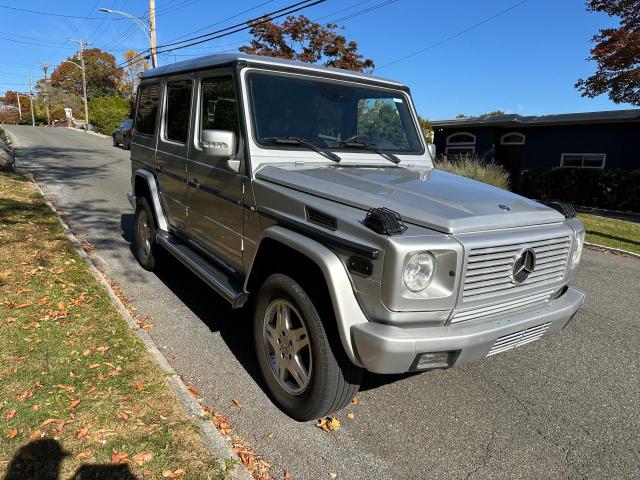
(516, 247)
(517, 339)
(541, 298)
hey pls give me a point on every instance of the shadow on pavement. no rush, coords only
(42, 459)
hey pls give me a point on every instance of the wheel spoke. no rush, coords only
(272, 339)
(298, 372)
(299, 338)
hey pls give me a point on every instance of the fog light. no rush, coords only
(433, 360)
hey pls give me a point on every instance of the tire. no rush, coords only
(144, 236)
(127, 144)
(331, 379)
(115, 142)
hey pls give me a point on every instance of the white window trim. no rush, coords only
(467, 147)
(604, 160)
(461, 144)
(522, 137)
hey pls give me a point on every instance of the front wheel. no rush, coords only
(307, 375)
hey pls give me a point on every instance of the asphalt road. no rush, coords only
(564, 407)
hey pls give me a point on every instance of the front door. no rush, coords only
(173, 148)
(216, 184)
(510, 157)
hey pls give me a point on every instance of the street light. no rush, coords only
(84, 90)
(147, 31)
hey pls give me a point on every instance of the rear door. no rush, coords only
(173, 148)
(215, 185)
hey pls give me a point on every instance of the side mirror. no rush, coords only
(219, 143)
(432, 149)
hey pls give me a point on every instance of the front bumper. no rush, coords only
(388, 349)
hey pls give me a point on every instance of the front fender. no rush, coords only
(346, 309)
(150, 179)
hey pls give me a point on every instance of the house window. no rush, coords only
(583, 160)
(512, 138)
(461, 143)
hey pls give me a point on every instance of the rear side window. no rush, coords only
(147, 109)
(178, 109)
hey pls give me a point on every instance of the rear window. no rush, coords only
(147, 109)
(178, 110)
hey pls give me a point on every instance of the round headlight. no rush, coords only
(418, 271)
(577, 249)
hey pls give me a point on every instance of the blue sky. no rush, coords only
(525, 61)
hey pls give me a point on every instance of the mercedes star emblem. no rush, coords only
(523, 265)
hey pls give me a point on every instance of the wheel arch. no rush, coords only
(145, 185)
(278, 244)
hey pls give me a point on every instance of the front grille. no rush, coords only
(517, 339)
(503, 307)
(489, 269)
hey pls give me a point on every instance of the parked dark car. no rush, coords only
(122, 134)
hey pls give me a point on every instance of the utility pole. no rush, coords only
(152, 31)
(19, 106)
(82, 43)
(33, 118)
(45, 67)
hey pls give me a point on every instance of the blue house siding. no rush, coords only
(544, 145)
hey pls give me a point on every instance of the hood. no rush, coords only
(422, 196)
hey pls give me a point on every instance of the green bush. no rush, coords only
(609, 189)
(105, 113)
(472, 166)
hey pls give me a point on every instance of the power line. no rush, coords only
(451, 37)
(363, 11)
(342, 10)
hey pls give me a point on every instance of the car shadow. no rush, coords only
(42, 459)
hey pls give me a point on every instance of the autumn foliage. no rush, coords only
(299, 38)
(617, 53)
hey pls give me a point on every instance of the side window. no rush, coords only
(147, 110)
(219, 105)
(178, 109)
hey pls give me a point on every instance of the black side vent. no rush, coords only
(385, 221)
(563, 207)
(322, 219)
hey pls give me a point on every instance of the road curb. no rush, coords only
(602, 248)
(217, 443)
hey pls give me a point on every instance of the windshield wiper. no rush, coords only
(299, 141)
(368, 146)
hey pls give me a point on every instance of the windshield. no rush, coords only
(329, 114)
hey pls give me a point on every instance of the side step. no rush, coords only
(211, 275)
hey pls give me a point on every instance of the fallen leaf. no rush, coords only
(179, 473)
(49, 422)
(82, 432)
(329, 424)
(68, 388)
(350, 415)
(193, 391)
(85, 454)
(24, 395)
(355, 401)
(142, 457)
(333, 475)
(236, 402)
(123, 415)
(286, 475)
(139, 387)
(120, 457)
(42, 301)
(102, 349)
(37, 434)
(11, 413)
(270, 435)
(94, 365)
(74, 404)
(12, 433)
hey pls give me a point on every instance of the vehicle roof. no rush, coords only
(222, 59)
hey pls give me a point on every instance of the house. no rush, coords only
(601, 140)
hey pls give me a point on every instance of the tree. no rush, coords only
(105, 113)
(427, 128)
(616, 52)
(104, 77)
(299, 38)
(136, 64)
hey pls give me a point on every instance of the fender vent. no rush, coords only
(563, 207)
(384, 221)
(322, 219)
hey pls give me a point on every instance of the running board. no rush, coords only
(211, 275)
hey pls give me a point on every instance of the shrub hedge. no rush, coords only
(609, 189)
(472, 166)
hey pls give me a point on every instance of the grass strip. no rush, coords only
(79, 395)
(611, 232)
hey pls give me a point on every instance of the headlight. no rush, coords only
(418, 271)
(577, 249)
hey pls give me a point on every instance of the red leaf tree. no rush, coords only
(617, 53)
(299, 38)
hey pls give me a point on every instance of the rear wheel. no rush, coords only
(308, 375)
(144, 235)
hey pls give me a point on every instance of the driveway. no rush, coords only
(564, 407)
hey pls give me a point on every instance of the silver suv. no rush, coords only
(310, 194)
